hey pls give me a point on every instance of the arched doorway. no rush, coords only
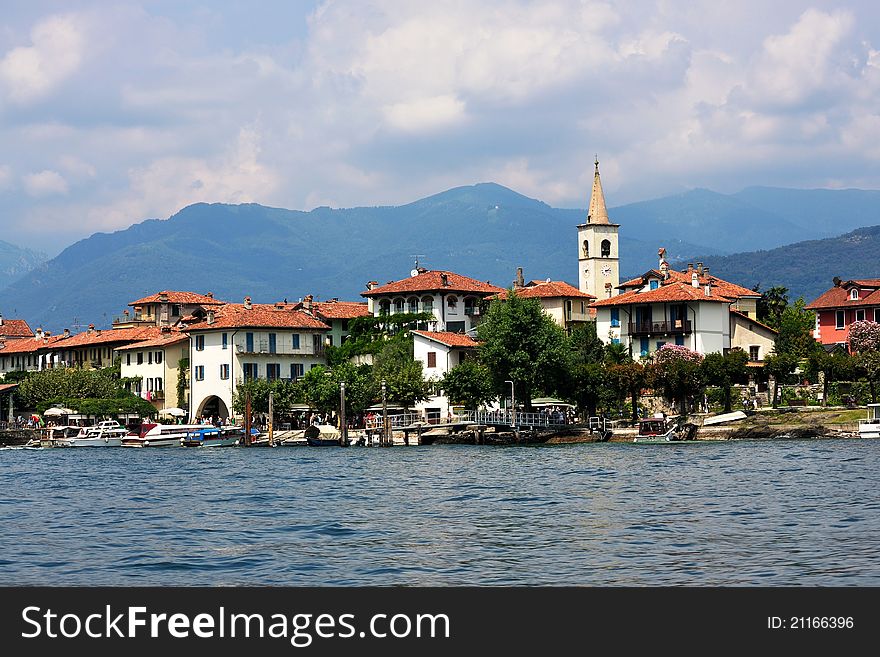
(212, 406)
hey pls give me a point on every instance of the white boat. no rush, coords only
(108, 433)
(724, 417)
(870, 427)
(153, 434)
(207, 436)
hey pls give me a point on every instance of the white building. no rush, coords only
(165, 308)
(238, 342)
(453, 299)
(598, 253)
(439, 352)
(155, 365)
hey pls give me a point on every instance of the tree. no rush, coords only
(587, 376)
(404, 378)
(832, 366)
(869, 364)
(678, 374)
(864, 336)
(520, 343)
(368, 335)
(284, 395)
(772, 304)
(629, 379)
(68, 383)
(724, 371)
(796, 326)
(469, 384)
(780, 367)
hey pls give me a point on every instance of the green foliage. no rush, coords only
(284, 394)
(125, 403)
(524, 345)
(403, 376)
(586, 383)
(469, 384)
(779, 367)
(795, 328)
(15, 376)
(367, 335)
(182, 371)
(772, 304)
(616, 353)
(724, 371)
(628, 379)
(833, 366)
(678, 374)
(320, 387)
(868, 364)
(69, 383)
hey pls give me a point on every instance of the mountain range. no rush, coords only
(484, 230)
(16, 261)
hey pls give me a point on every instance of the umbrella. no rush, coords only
(55, 410)
(175, 412)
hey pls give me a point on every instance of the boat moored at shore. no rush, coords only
(207, 436)
(870, 427)
(152, 434)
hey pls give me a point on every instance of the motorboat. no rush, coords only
(870, 427)
(108, 433)
(206, 436)
(665, 430)
(153, 434)
(324, 435)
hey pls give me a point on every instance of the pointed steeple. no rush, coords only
(598, 213)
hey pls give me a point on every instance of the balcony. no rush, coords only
(262, 347)
(577, 317)
(677, 327)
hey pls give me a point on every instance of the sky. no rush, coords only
(115, 112)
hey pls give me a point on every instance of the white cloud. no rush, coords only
(45, 183)
(56, 52)
(425, 113)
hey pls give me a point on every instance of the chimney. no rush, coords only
(708, 289)
(444, 280)
(690, 267)
(210, 317)
(661, 253)
(421, 270)
(664, 270)
(700, 268)
(307, 303)
(372, 284)
(836, 280)
(66, 333)
(165, 329)
(608, 290)
(91, 328)
(1, 319)
(695, 280)
(163, 297)
(210, 295)
(39, 333)
(247, 303)
(125, 312)
(706, 271)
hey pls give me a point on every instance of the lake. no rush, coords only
(714, 513)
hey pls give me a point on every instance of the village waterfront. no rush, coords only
(792, 512)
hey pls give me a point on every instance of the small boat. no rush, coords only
(665, 430)
(870, 427)
(152, 434)
(108, 433)
(57, 436)
(214, 437)
(324, 435)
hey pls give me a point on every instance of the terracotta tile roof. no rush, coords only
(550, 290)
(260, 315)
(719, 285)
(162, 341)
(432, 281)
(449, 338)
(753, 321)
(29, 345)
(132, 334)
(340, 309)
(8, 386)
(669, 293)
(179, 298)
(15, 328)
(838, 296)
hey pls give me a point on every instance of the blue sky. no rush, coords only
(114, 112)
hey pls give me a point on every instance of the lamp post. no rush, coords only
(343, 425)
(384, 441)
(512, 405)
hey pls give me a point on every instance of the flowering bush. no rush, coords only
(673, 352)
(864, 336)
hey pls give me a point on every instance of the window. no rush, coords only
(451, 303)
(344, 324)
(413, 305)
(643, 347)
(679, 340)
(140, 358)
(296, 340)
(428, 304)
(606, 248)
(615, 317)
(200, 343)
(158, 383)
(754, 352)
(854, 294)
(877, 315)
(149, 358)
(615, 340)
(149, 384)
(224, 371)
(398, 305)
(128, 359)
(249, 342)
(273, 371)
(225, 340)
(251, 371)
(175, 311)
(654, 284)
(158, 358)
(200, 372)
(296, 370)
(272, 343)
(586, 249)
(432, 359)
(384, 307)
(840, 316)
(860, 315)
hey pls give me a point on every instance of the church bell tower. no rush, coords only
(598, 255)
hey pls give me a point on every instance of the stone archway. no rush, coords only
(212, 406)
